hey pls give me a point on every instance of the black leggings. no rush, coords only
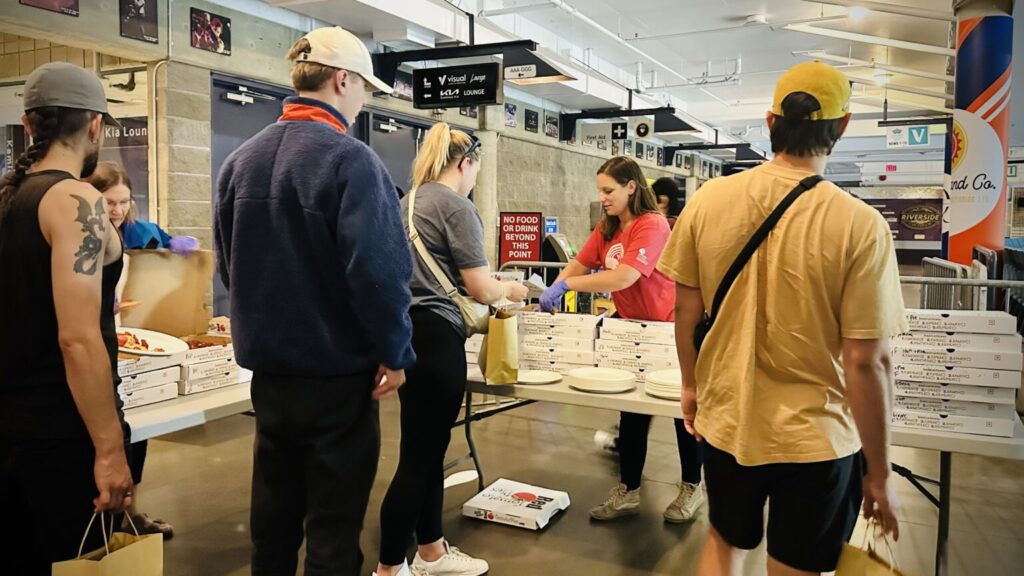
(431, 401)
(632, 445)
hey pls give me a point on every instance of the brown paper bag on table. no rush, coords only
(499, 356)
(122, 555)
(865, 560)
(170, 290)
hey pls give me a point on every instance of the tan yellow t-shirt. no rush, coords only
(770, 385)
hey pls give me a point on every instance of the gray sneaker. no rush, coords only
(621, 502)
(686, 505)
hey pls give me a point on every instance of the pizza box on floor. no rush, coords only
(516, 504)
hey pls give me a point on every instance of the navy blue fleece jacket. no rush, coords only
(312, 248)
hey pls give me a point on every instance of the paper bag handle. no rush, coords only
(874, 526)
(103, 528)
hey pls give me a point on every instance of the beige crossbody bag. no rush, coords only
(475, 316)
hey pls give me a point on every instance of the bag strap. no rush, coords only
(756, 240)
(425, 254)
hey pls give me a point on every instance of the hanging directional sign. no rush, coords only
(457, 86)
(907, 136)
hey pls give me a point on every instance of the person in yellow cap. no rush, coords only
(791, 388)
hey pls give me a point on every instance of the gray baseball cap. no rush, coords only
(68, 86)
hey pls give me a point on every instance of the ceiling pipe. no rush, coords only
(738, 27)
(821, 55)
(513, 9)
(891, 9)
(875, 40)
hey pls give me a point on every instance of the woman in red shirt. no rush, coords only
(625, 247)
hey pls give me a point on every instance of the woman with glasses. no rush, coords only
(449, 225)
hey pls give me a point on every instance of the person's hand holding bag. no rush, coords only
(551, 299)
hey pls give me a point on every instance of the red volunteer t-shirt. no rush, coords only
(653, 296)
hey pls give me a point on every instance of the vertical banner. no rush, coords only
(979, 139)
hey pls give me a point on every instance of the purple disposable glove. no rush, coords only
(184, 245)
(551, 299)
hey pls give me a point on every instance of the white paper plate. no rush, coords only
(666, 378)
(168, 343)
(539, 377)
(662, 394)
(602, 375)
(603, 388)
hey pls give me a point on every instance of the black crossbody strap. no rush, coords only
(756, 240)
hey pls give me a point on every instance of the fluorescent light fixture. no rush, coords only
(882, 77)
(858, 12)
(524, 67)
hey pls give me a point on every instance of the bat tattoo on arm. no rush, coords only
(92, 220)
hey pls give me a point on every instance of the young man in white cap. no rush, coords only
(62, 433)
(312, 249)
(793, 385)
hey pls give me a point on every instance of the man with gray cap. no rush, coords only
(62, 432)
(313, 251)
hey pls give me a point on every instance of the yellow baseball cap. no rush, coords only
(828, 86)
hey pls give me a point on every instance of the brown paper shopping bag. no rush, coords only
(499, 356)
(122, 555)
(865, 560)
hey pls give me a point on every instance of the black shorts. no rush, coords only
(812, 511)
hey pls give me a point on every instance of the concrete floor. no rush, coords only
(199, 481)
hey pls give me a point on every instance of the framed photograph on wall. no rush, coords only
(616, 147)
(510, 115)
(210, 32)
(678, 160)
(627, 148)
(660, 155)
(403, 85)
(602, 144)
(650, 152)
(469, 111)
(640, 150)
(705, 169)
(138, 20)
(551, 125)
(66, 7)
(532, 121)
(688, 163)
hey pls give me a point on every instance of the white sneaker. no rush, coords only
(410, 571)
(606, 441)
(453, 563)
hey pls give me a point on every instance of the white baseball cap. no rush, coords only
(338, 48)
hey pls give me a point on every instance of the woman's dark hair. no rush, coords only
(794, 134)
(49, 124)
(110, 174)
(625, 170)
(668, 188)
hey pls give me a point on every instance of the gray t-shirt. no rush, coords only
(453, 233)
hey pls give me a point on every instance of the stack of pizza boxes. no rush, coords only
(636, 346)
(148, 379)
(208, 364)
(958, 371)
(557, 342)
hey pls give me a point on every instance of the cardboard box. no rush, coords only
(203, 384)
(131, 364)
(170, 290)
(955, 407)
(955, 375)
(575, 332)
(956, 392)
(541, 341)
(557, 367)
(149, 379)
(630, 361)
(650, 337)
(960, 341)
(222, 349)
(208, 369)
(564, 356)
(973, 321)
(531, 318)
(964, 358)
(960, 424)
(638, 327)
(148, 396)
(516, 504)
(636, 348)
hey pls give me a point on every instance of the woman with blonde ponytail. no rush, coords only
(450, 227)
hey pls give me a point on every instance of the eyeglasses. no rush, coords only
(473, 149)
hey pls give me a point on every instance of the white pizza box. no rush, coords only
(956, 392)
(149, 379)
(516, 504)
(475, 343)
(131, 364)
(151, 395)
(945, 423)
(635, 348)
(960, 341)
(576, 332)
(937, 374)
(565, 356)
(956, 407)
(222, 349)
(639, 327)
(648, 337)
(994, 360)
(207, 369)
(627, 361)
(557, 367)
(974, 321)
(532, 318)
(203, 384)
(542, 341)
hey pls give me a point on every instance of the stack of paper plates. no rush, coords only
(601, 380)
(666, 384)
(539, 377)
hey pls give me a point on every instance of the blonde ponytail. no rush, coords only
(441, 147)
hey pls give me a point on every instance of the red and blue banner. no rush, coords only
(977, 146)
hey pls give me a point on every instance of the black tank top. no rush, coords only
(35, 400)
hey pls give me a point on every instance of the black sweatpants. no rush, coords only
(632, 445)
(316, 451)
(431, 401)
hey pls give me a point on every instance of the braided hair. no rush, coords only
(49, 124)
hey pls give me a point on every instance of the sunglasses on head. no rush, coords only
(473, 148)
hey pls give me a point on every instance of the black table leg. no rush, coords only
(945, 489)
(469, 440)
